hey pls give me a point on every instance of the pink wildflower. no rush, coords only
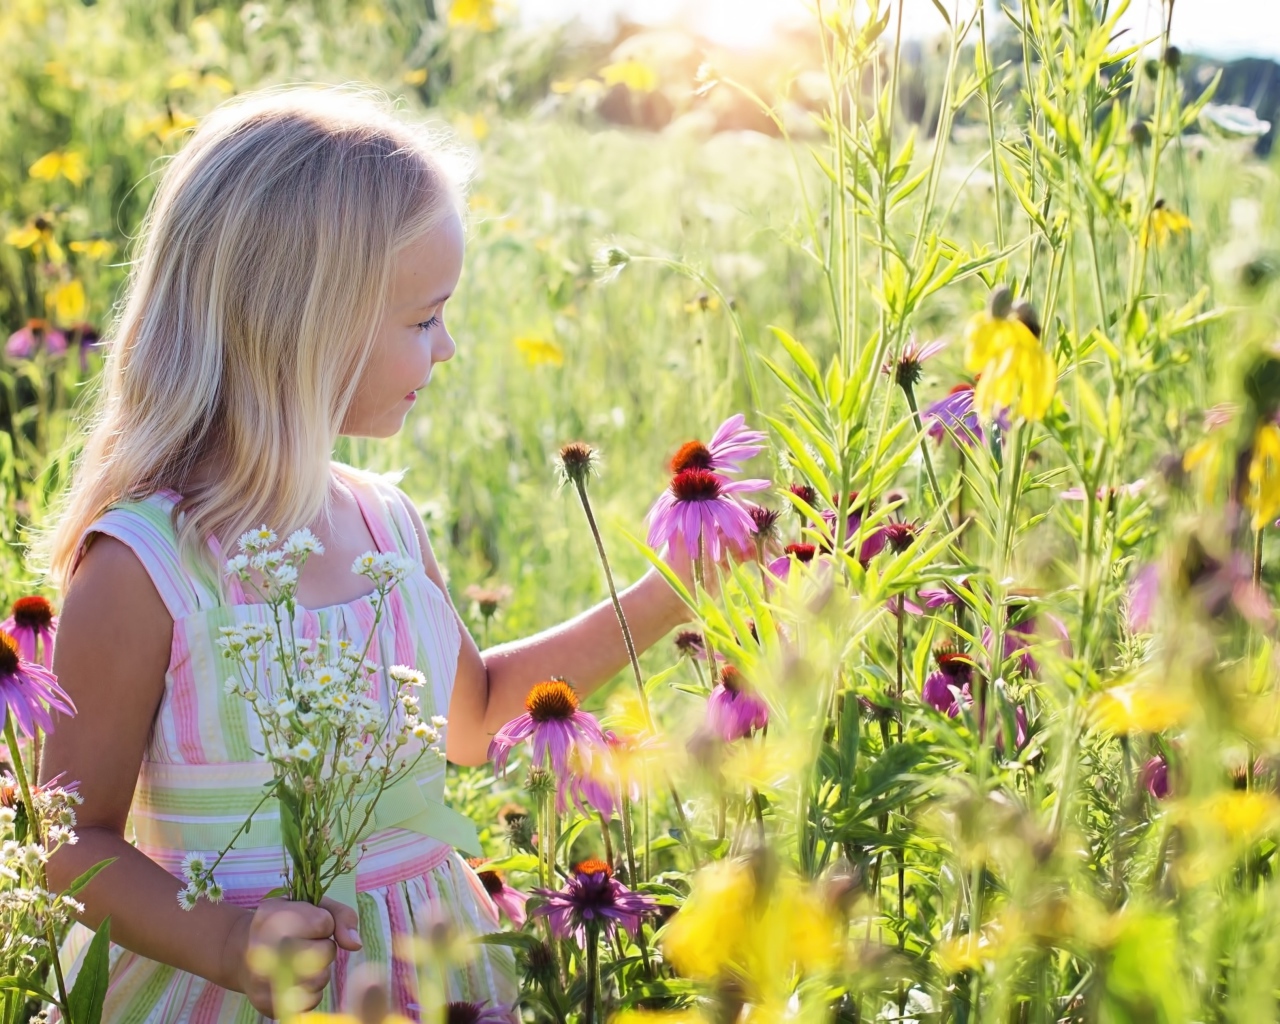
(28, 690)
(734, 710)
(510, 901)
(23, 343)
(555, 725)
(592, 897)
(33, 625)
(700, 504)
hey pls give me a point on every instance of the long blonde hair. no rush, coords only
(262, 270)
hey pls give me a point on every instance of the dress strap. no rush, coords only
(146, 526)
(383, 506)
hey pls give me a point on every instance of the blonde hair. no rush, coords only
(263, 266)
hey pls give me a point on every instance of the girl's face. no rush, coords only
(412, 337)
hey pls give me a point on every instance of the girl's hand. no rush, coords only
(679, 560)
(299, 934)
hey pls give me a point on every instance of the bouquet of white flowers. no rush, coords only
(334, 748)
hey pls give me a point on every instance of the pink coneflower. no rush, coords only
(953, 415)
(806, 494)
(764, 520)
(899, 536)
(556, 726)
(941, 597)
(699, 503)
(592, 896)
(23, 343)
(803, 553)
(1143, 592)
(906, 371)
(900, 603)
(730, 446)
(947, 688)
(733, 709)
(26, 688)
(689, 642)
(510, 901)
(33, 624)
(1102, 493)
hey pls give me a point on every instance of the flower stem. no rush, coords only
(928, 459)
(591, 1003)
(33, 823)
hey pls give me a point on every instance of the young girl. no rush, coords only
(290, 287)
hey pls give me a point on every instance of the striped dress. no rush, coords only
(200, 772)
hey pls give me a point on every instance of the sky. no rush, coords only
(1218, 28)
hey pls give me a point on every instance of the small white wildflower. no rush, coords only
(425, 733)
(343, 765)
(285, 707)
(403, 675)
(257, 540)
(285, 575)
(306, 717)
(237, 566)
(194, 865)
(33, 856)
(187, 898)
(439, 721)
(214, 892)
(303, 542)
(71, 903)
(60, 835)
(305, 750)
(365, 564)
(7, 816)
(231, 686)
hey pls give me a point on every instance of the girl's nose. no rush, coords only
(444, 348)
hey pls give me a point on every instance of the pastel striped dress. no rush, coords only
(200, 772)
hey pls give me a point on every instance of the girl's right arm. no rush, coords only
(111, 656)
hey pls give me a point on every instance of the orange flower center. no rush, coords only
(732, 679)
(8, 655)
(804, 552)
(592, 866)
(551, 700)
(692, 455)
(32, 612)
(695, 485)
(492, 882)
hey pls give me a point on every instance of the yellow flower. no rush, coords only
(476, 13)
(1264, 476)
(704, 302)
(477, 125)
(94, 248)
(539, 351)
(1241, 815)
(1138, 707)
(727, 927)
(418, 76)
(634, 74)
(37, 235)
(1014, 370)
(66, 302)
(1163, 223)
(166, 125)
(69, 164)
(563, 86)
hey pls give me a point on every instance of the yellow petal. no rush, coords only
(1264, 475)
(23, 237)
(67, 302)
(47, 167)
(477, 14)
(540, 351)
(634, 74)
(418, 76)
(1138, 707)
(94, 248)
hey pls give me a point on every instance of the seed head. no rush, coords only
(765, 521)
(1026, 313)
(900, 536)
(692, 455)
(8, 655)
(695, 485)
(1000, 302)
(539, 783)
(689, 642)
(806, 494)
(1140, 134)
(593, 866)
(577, 462)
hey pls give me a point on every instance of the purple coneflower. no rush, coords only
(899, 535)
(510, 901)
(947, 688)
(33, 623)
(26, 688)
(953, 415)
(906, 371)
(730, 446)
(1021, 636)
(556, 726)
(476, 1013)
(1155, 776)
(689, 643)
(941, 597)
(37, 334)
(900, 603)
(781, 567)
(764, 520)
(699, 503)
(733, 709)
(592, 896)
(1143, 592)
(806, 494)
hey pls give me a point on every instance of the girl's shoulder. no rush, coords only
(393, 507)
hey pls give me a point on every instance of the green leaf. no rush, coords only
(513, 862)
(290, 825)
(84, 1001)
(800, 356)
(570, 835)
(13, 983)
(84, 879)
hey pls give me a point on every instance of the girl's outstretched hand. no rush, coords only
(678, 558)
(286, 931)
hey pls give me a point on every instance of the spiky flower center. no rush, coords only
(765, 520)
(805, 493)
(804, 552)
(492, 881)
(692, 455)
(731, 679)
(899, 536)
(952, 663)
(553, 700)
(33, 612)
(593, 866)
(689, 641)
(577, 460)
(463, 1013)
(8, 655)
(696, 485)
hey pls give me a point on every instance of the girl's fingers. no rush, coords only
(346, 924)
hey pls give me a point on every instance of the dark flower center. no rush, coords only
(577, 460)
(8, 655)
(899, 536)
(463, 1013)
(804, 552)
(805, 493)
(696, 485)
(953, 663)
(33, 612)
(764, 519)
(593, 866)
(689, 641)
(550, 701)
(692, 455)
(492, 882)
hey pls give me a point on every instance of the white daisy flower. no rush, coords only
(304, 750)
(303, 542)
(194, 865)
(187, 898)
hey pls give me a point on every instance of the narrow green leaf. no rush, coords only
(90, 990)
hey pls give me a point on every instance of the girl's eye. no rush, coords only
(426, 325)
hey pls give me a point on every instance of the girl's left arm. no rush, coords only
(588, 650)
